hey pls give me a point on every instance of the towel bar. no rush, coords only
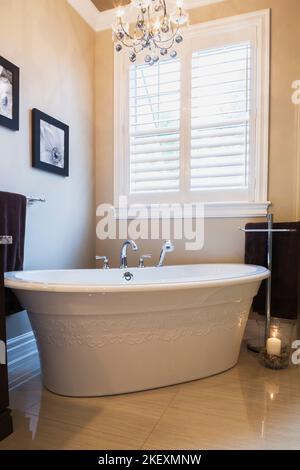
(31, 199)
(265, 230)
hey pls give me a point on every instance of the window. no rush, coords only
(220, 112)
(195, 128)
(154, 127)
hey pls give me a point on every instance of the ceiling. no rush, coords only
(103, 5)
(100, 14)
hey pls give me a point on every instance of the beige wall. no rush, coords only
(223, 241)
(54, 49)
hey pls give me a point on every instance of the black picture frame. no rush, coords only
(13, 122)
(60, 156)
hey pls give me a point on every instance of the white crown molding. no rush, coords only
(100, 21)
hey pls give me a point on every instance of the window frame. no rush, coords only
(258, 23)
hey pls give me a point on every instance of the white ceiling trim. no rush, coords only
(101, 21)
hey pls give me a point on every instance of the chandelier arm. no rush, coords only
(164, 7)
(164, 46)
(163, 41)
(148, 14)
(123, 41)
(177, 29)
(167, 40)
(126, 33)
(141, 17)
(132, 46)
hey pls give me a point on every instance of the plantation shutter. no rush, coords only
(195, 129)
(154, 125)
(220, 118)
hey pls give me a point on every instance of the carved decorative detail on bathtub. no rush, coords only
(165, 326)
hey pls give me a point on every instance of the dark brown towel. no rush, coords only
(12, 222)
(4, 400)
(285, 272)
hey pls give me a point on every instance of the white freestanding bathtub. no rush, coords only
(100, 333)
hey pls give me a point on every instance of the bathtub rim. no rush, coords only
(36, 286)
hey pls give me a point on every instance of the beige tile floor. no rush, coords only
(248, 407)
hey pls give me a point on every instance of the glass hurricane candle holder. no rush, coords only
(275, 354)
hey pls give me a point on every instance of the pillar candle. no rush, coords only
(274, 346)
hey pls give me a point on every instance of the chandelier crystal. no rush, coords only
(155, 32)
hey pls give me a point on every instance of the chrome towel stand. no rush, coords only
(270, 230)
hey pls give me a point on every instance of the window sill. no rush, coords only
(212, 210)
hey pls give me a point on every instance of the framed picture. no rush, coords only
(50, 144)
(9, 94)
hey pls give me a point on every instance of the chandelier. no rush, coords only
(155, 32)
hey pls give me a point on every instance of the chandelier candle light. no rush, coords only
(155, 32)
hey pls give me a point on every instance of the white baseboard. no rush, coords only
(22, 359)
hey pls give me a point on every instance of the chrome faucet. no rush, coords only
(142, 260)
(123, 256)
(105, 261)
(167, 247)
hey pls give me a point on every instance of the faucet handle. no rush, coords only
(169, 246)
(142, 259)
(105, 261)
